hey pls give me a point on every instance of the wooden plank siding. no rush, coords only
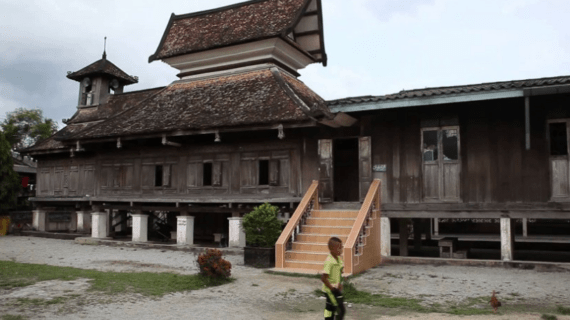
(495, 167)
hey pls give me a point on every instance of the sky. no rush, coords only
(374, 47)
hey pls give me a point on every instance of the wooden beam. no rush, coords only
(530, 214)
(192, 209)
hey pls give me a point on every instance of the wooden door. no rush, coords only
(441, 164)
(364, 165)
(326, 191)
(558, 140)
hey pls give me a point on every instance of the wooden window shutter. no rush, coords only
(216, 173)
(274, 172)
(192, 173)
(166, 175)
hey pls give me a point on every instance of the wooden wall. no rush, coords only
(495, 166)
(131, 171)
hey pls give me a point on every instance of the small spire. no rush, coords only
(105, 49)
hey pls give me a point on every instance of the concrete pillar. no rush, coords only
(237, 235)
(403, 237)
(99, 224)
(525, 227)
(435, 226)
(185, 230)
(39, 220)
(73, 222)
(83, 221)
(507, 239)
(385, 238)
(140, 227)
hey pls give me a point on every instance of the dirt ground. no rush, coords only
(259, 295)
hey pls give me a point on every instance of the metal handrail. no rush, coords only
(360, 230)
(309, 203)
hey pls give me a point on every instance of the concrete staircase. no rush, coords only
(309, 249)
(303, 244)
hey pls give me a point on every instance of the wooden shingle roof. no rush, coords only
(260, 97)
(103, 66)
(235, 24)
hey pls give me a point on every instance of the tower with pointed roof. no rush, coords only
(99, 80)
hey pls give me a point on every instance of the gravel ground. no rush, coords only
(258, 295)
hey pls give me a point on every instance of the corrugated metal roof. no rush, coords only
(442, 91)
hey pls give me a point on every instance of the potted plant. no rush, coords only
(262, 229)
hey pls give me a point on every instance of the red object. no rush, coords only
(25, 181)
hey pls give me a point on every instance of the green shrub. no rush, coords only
(212, 265)
(261, 226)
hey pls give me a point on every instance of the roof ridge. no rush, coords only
(484, 83)
(216, 10)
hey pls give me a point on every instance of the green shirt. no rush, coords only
(334, 269)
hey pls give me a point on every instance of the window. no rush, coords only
(558, 139)
(263, 172)
(162, 175)
(207, 174)
(441, 163)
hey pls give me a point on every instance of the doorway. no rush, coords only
(345, 172)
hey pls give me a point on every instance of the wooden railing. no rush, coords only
(309, 203)
(365, 234)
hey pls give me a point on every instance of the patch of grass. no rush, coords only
(548, 317)
(254, 285)
(14, 274)
(563, 310)
(13, 317)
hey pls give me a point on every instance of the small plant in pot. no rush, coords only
(262, 229)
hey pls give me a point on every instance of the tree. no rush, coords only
(23, 127)
(9, 180)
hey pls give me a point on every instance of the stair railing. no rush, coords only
(309, 203)
(367, 219)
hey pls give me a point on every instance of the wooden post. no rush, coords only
(525, 227)
(403, 237)
(417, 234)
(527, 121)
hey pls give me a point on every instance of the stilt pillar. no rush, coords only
(185, 230)
(39, 220)
(140, 227)
(237, 235)
(385, 238)
(404, 237)
(435, 226)
(525, 227)
(83, 221)
(99, 224)
(507, 239)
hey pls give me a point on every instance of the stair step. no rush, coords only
(334, 214)
(330, 222)
(310, 246)
(310, 265)
(306, 256)
(327, 230)
(341, 205)
(317, 238)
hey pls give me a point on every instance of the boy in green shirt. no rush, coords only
(331, 278)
